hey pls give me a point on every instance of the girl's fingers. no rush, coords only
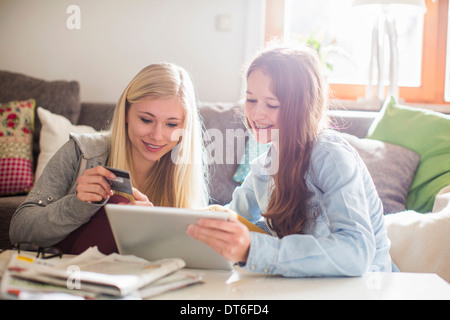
(141, 203)
(231, 239)
(93, 186)
(139, 196)
(140, 199)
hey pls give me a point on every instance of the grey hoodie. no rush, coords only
(52, 210)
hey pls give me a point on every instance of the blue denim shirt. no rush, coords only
(345, 234)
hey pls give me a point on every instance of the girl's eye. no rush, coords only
(272, 107)
(172, 125)
(144, 120)
(251, 100)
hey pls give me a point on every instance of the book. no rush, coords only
(92, 275)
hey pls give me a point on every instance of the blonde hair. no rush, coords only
(179, 178)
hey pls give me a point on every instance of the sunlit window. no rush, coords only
(447, 72)
(345, 36)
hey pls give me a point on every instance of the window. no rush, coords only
(345, 35)
(447, 72)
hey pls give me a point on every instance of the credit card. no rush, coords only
(122, 182)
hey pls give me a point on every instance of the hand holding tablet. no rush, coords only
(156, 233)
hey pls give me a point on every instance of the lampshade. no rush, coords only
(418, 3)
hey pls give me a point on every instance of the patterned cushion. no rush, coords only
(16, 138)
(60, 97)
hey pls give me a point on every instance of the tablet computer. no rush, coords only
(155, 233)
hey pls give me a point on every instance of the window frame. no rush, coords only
(434, 47)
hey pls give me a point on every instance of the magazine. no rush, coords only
(92, 275)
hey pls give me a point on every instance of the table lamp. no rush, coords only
(385, 24)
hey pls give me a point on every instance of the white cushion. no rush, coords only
(54, 134)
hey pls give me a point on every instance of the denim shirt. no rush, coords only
(345, 234)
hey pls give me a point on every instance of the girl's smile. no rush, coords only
(262, 107)
(152, 147)
(258, 126)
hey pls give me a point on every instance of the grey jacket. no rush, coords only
(52, 210)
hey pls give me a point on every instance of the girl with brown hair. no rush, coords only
(311, 188)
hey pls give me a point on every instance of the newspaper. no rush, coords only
(91, 275)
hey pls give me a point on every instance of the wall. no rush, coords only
(117, 38)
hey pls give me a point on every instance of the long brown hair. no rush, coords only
(300, 87)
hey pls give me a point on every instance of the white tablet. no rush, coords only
(155, 233)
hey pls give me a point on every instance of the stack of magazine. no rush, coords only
(91, 275)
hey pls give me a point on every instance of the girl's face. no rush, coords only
(262, 107)
(153, 129)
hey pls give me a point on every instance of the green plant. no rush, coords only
(317, 45)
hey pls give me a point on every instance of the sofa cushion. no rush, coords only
(54, 133)
(61, 97)
(392, 169)
(16, 139)
(421, 242)
(425, 132)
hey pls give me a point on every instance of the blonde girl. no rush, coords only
(178, 179)
(155, 134)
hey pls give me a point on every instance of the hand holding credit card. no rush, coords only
(122, 182)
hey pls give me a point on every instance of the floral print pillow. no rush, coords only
(16, 138)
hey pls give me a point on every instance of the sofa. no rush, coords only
(420, 240)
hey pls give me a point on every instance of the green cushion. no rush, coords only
(425, 132)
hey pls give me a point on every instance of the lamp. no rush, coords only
(385, 24)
